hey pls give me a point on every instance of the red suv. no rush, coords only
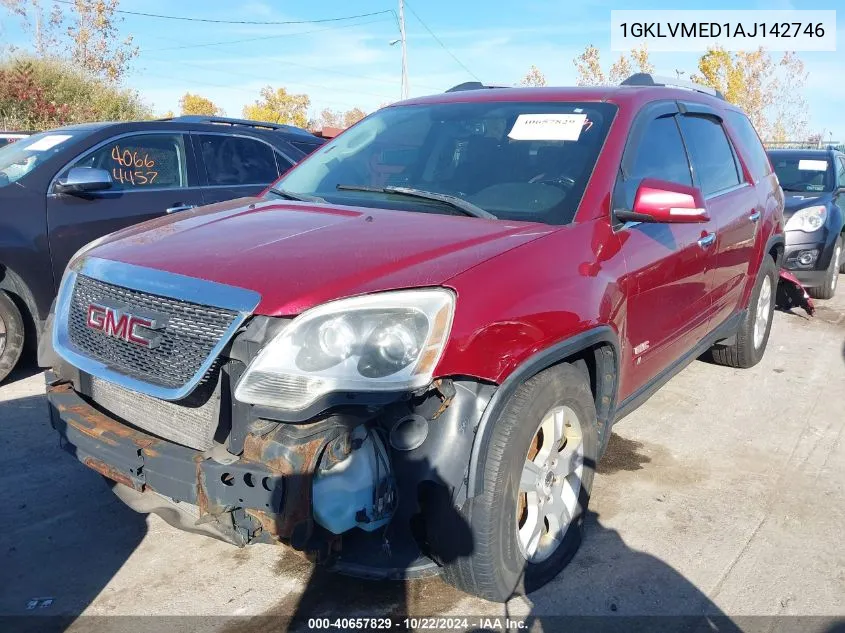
(407, 356)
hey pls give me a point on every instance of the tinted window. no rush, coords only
(235, 160)
(142, 161)
(752, 148)
(522, 161)
(710, 152)
(660, 154)
(307, 146)
(841, 177)
(810, 172)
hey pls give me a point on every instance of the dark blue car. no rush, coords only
(813, 183)
(64, 188)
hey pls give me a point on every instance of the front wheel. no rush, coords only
(538, 472)
(11, 335)
(831, 279)
(753, 335)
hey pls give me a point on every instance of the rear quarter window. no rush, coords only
(750, 146)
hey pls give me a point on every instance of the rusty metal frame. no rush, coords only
(144, 462)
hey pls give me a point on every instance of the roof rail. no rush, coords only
(233, 122)
(647, 79)
(472, 85)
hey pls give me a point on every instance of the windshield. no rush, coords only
(20, 158)
(517, 161)
(809, 173)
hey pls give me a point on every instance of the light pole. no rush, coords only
(402, 40)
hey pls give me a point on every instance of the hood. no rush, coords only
(792, 201)
(298, 255)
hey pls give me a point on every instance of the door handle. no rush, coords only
(707, 240)
(755, 215)
(180, 207)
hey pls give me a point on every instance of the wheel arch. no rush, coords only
(595, 352)
(775, 247)
(16, 288)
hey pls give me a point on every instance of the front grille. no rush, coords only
(192, 426)
(187, 340)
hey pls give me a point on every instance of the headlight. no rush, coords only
(807, 220)
(390, 341)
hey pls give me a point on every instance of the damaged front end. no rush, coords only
(369, 483)
(337, 489)
(791, 294)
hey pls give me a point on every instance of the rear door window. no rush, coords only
(237, 160)
(840, 178)
(712, 156)
(752, 148)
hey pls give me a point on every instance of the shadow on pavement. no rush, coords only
(605, 580)
(64, 535)
(26, 368)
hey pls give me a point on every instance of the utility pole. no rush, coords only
(404, 49)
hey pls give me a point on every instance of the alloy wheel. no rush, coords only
(836, 257)
(764, 312)
(2, 336)
(550, 485)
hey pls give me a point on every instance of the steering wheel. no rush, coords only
(561, 182)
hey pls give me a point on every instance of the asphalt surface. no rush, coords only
(724, 494)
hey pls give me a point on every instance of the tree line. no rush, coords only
(769, 89)
(77, 64)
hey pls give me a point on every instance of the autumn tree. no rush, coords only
(533, 78)
(87, 34)
(279, 106)
(330, 118)
(192, 104)
(38, 93)
(351, 117)
(336, 118)
(589, 69)
(769, 91)
(97, 46)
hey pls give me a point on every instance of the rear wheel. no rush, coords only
(831, 279)
(753, 335)
(11, 335)
(538, 473)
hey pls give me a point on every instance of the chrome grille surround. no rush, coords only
(192, 332)
(172, 371)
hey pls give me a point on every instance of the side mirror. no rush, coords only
(83, 180)
(665, 202)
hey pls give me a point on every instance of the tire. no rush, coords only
(750, 341)
(11, 335)
(831, 279)
(499, 566)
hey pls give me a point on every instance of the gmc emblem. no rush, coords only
(127, 327)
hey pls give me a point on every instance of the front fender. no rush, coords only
(606, 391)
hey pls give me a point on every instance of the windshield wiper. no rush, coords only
(299, 197)
(467, 208)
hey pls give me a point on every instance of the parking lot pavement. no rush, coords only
(724, 493)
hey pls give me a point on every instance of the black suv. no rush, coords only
(813, 183)
(64, 188)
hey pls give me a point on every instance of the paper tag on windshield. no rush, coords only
(812, 165)
(548, 127)
(47, 142)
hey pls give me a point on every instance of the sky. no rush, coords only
(351, 63)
